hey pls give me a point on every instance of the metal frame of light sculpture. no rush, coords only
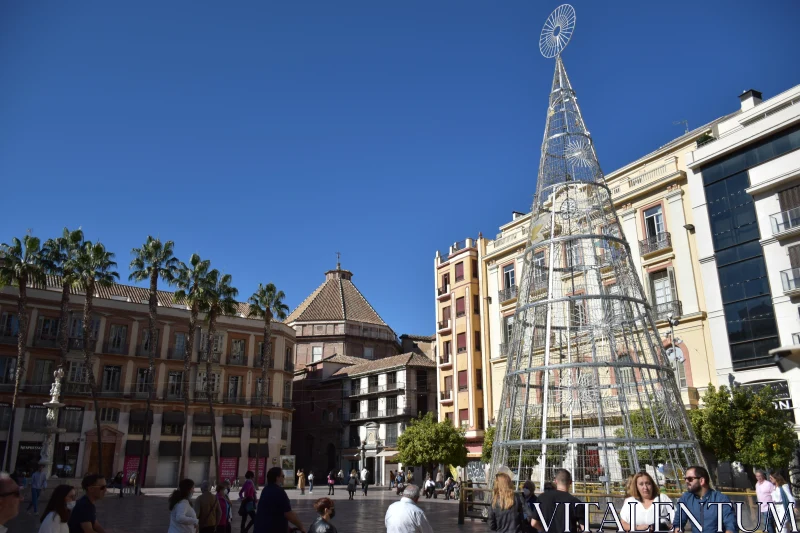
(588, 385)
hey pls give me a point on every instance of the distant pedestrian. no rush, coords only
(274, 509)
(38, 484)
(784, 501)
(391, 479)
(310, 482)
(207, 509)
(119, 481)
(351, 486)
(331, 483)
(182, 518)
(225, 508)
(364, 480)
(83, 518)
(326, 509)
(248, 496)
(56, 514)
(764, 489)
(340, 476)
(301, 482)
(405, 516)
(439, 479)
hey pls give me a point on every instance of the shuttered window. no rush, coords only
(789, 198)
(459, 271)
(794, 256)
(461, 342)
(460, 306)
(463, 380)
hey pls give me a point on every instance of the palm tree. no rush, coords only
(62, 253)
(192, 282)
(94, 268)
(266, 303)
(153, 261)
(221, 300)
(22, 264)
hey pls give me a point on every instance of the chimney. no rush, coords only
(749, 99)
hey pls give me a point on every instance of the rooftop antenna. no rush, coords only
(338, 260)
(685, 124)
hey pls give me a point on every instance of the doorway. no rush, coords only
(108, 459)
(371, 468)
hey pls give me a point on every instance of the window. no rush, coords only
(289, 362)
(459, 271)
(175, 384)
(231, 431)
(43, 372)
(258, 391)
(117, 337)
(539, 267)
(316, 353)
(237, 348)
(476, 305)
(446, 282)
(448, 384)
(5, 417)
(71, 419)
(47, 328)
(35, 418)
(201, 430)
(285, 427)
(461, 341)
(9, 325)
(213, 382)
(615, 311)
(76, 373)
(653, 222)
(109, 415)
(355, 407)
(447, 350)
(287, 393)
(463, 380)
(508, 276)
(577, 310)
(475, 268)
(573, 251)
(463, 417)
(480, 419)
(355, 386)
(369, 353)
(508, 329)
(422, 380)
(234, 387)
(147, 346)
(479, 379)
(142, 380)
(446, 313)
(391, 378)
(391, 434)
(180, 344)
(391, 405)
(477, 341)
(76, 328)
(372, 407)
(626, 378)
(217, 346)
(111, 377)
(460, 310)
(449, 417)
(172, 429)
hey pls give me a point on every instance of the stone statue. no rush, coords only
(55, 389)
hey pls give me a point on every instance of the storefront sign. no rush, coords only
(262, 463)
(228, 468)
(780, 387)
(288, 467)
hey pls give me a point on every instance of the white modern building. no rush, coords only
(744, 185)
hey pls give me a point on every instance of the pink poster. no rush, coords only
(228, 467)
(262, 462)
(132, 465)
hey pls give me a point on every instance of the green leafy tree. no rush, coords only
(266, 303)
(488, 442)
(642, 427)
(742, 425)
(23, 264)
(94, 267)
(193, 285)
(428, 443)
(152, 262)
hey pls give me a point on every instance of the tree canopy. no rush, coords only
(426, 442)
(744, 426)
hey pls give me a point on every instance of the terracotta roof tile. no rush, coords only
(336, 299)
(367, 367)
(424, 338)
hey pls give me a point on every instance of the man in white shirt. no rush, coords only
(364, 480)
(405, 516)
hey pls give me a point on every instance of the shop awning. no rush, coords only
(169, 448)
(134, 446)
(263, 421)
(233, 420)
(387, 453)
(173, 417)
(230, 449)
(203, 419)
(263, 451)
(137, 416)
(201, 449)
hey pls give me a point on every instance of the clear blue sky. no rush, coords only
(268, 135)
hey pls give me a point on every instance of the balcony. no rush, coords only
(791, 281)
(664, 310)
(143, 395)
(203, 357)
(655, 243)
(76, 388)
(112, 393)
(443, 325)
(236, 400)
(288, 366)
(8, 337)
(441, 292)
(508, 294)
(37, 388)
(393, 386)
(144, 351)
(445, 396)
(46, 342)
(112, 347)
(174, 396)
(176, 354)
(444, 360)
(202, 396)
(786, 223)
(76, 344)
(238, 359)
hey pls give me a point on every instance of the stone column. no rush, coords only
(684, 272)
(51, 425)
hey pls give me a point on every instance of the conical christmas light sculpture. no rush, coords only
(588, 385)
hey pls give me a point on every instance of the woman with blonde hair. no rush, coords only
(783, 498)
(638, 509)
(507, 510)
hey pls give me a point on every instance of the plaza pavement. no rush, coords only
(149, 514)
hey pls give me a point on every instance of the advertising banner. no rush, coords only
(262, 471)
(228, 468)
(288, 467)
(132, 465)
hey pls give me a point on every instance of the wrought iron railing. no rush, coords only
(445, 395)
(111, 347)
(444, 359)
(203, 357)
(441, 291)
(46, 342)
(791, 279)
(509, 293)
(144, 351)
(7, 337)
(654, 243)
(444, 324)
(237, 359)
(785, 220)
(663, 311)
(176, 353)
(76, 344)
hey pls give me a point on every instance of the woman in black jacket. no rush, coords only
(326, 510)
(507, 511)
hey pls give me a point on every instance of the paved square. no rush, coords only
(149, 514)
